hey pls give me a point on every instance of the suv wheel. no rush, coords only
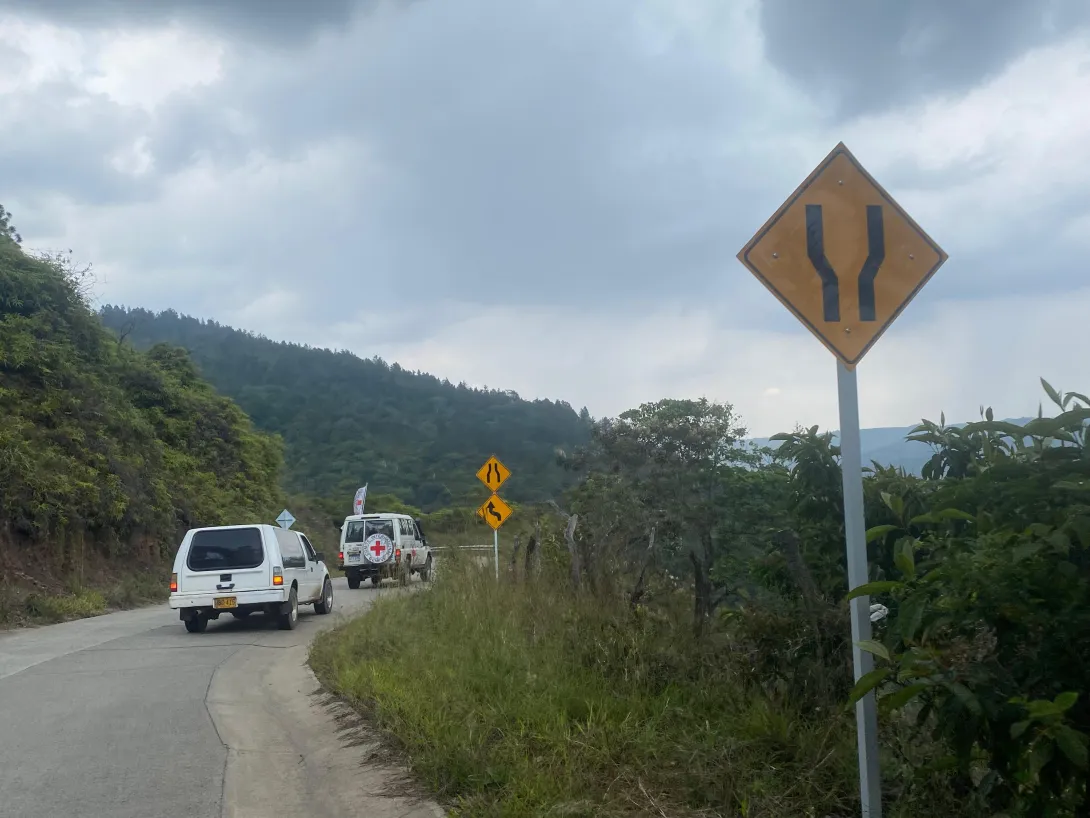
(353, 581)
(197, 623)
(325, 602)
(289, 617)
(425, 574)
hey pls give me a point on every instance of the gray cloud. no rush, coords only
(527, 156)
(863, 55)
(56, 147)
(279, 22)
(496, 153)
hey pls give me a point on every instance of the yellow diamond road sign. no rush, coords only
(843, 256)
(493, 473)
(495, 511)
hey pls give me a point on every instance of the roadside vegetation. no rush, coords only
(107, 454)
(676, 640)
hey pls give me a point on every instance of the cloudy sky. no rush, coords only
(549, 196)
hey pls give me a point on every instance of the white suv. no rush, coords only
(381, 546)
(240, 569)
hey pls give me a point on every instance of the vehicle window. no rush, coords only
(225, 549)
(312, 555)
(380, 527)
(291, 551)
(360, 530)
(419, 531)
(404, 526)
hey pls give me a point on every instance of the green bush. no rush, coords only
(105, 447)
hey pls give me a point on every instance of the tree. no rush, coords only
(7, 229)
(679, 466)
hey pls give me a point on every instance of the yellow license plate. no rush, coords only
(225, 602)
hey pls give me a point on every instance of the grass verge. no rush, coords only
(49, 603)
(522, 700)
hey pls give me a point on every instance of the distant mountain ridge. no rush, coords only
(346, 420)
(887, 446)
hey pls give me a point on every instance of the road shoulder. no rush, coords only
(288, 750)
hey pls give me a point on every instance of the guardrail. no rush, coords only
(441, 548)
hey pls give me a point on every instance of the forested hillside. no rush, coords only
(105, 451)
(348, 421)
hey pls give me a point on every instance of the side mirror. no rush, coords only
(337, 526)
(318, 555)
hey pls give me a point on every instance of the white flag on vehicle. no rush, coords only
(360, 500)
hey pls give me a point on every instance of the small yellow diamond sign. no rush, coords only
(495, 511)
(493, 473)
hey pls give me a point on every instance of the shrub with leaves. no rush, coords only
(987, 645)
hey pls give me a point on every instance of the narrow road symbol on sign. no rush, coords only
(493, 473)
(830, 283)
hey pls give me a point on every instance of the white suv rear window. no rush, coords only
(225, 549)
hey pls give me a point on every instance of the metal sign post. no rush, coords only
(855, 535)
(846, 259)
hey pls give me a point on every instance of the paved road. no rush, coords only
(129, 716)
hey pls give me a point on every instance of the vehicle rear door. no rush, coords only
(352, 543)
(229, 559)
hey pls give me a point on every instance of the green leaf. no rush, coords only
(898, 699)
(1025, 550)
(903, 557)
(1072, 485)
(1040, 756)
(1073, 744)
(1020, 727)
(955, 514)
(867, 682)
(1080, 527)
(989, 414)
(910, 616)
(965, 696)
(875, 647)
(921, 519)
(872, 588)
(879, 531)
(1053, 395)
(1066, 700)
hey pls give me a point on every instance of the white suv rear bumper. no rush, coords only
(243, 597)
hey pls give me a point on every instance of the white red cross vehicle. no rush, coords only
(383, 546)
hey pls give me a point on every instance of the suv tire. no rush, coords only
(288, 618)
(325, 602)
(197, 624)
